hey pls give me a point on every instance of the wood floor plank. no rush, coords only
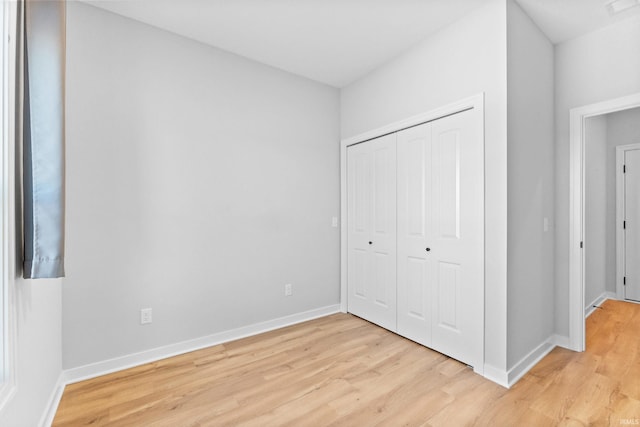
(593, 400)
(343, 371)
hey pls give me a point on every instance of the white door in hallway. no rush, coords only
(371, 230)
(632, 225)
(441, 236)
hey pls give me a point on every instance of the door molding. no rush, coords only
(620, 199)
(473, 102)
(577, 136)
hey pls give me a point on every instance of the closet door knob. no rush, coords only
(371, 243)
(428, 249)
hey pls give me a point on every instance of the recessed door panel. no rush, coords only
(448, 296)
(414, 180)
(361, 176)
(381, 188)
(381, 279)
(417, 273)
(358, 274)
(446, 200)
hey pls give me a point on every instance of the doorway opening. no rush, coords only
(584, 239)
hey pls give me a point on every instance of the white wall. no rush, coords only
(598, 66)
(198, 184)
(596, 220)
(464, 59)
(38, 361)
(530, 90)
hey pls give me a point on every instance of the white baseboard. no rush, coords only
(589, 309)
(498, 376)
(136, 359)
(529, 361)
(508, 378)
(54, 400)
(560, 341)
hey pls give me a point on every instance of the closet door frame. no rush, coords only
(475, 102)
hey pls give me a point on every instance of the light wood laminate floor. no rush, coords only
(341, 370)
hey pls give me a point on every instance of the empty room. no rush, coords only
(314, 213)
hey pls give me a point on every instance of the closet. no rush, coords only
(415, 234)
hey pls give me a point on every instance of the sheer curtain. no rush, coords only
(43, 25)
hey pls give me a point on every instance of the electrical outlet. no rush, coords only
(146, 316)
(288, 291)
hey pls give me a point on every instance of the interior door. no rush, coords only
(457, 237)
(371, 238)
(632, 225)
(441, 236)
(415, 260)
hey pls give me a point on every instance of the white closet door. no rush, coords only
(456, 238)
(415, 264)
(371, 239)
(632, 227)
(441, 236)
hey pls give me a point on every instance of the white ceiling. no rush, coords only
(337, 41)
(562, 20)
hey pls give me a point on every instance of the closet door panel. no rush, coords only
(383, 241)
(415, 267)
(371, 240)
(359, 219)
(457, 237)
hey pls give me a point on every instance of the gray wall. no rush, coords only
(596, 210)
(530, 89)
(464, 59)
(198, 184)
(601, 65)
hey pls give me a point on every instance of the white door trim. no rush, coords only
(620, 199)
(576, 209)
(475, 102)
